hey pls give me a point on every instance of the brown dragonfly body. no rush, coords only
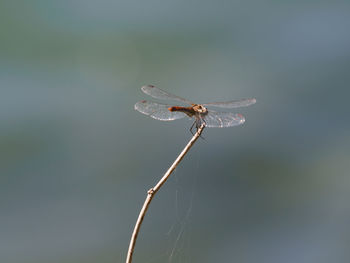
(196, 110)
(190, 111)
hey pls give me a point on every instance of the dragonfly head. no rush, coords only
(199, 108)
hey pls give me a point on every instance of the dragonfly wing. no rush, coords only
(223, 119)
(161, 94)
(158, 111)
(232, 104)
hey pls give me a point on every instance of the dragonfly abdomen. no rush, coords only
(187, 110)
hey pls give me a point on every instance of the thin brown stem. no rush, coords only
(151, 192)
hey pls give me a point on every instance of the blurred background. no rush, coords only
(77, 159)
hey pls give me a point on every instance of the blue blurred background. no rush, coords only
(77, 159)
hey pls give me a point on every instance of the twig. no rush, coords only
(151, 192)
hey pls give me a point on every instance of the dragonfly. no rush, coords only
(200, 112)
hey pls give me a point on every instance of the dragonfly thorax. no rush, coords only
(199, 108)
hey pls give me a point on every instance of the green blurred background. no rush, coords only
(77, 159)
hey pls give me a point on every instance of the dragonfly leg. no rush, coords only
(198, 122)
(191, 129)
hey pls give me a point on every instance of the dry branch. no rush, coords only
(151, 192)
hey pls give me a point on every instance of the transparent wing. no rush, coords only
(161, 94)
(158, 111)
(232, 104)
(223, 119)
